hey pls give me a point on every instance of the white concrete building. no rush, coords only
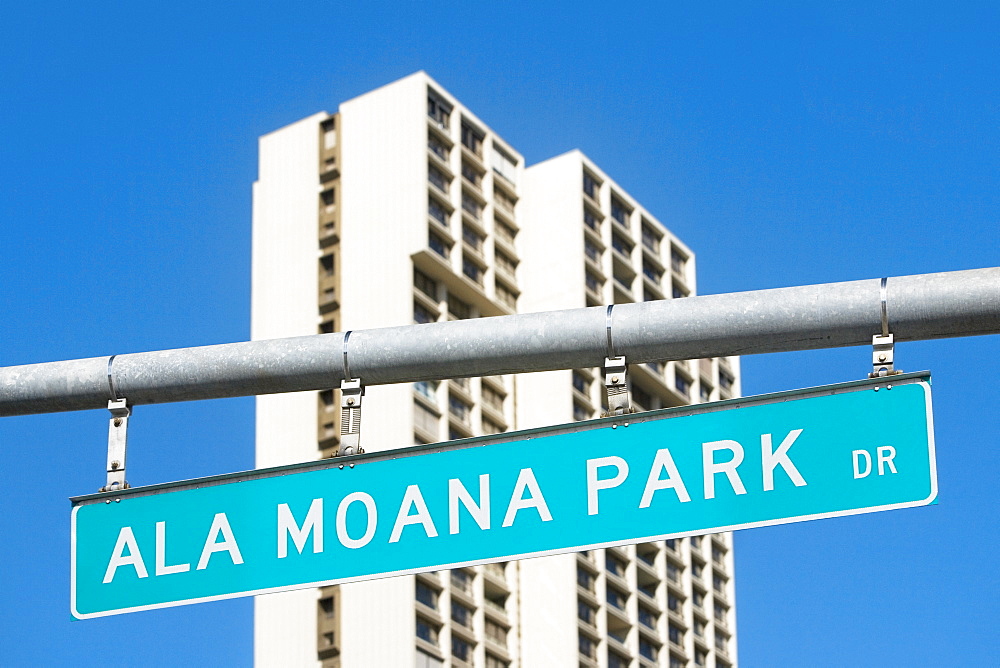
(405, 207)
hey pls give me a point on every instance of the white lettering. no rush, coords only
(372, 513)
(663, 460)
(161, 553)
(729, 468)
(413, 499)
(480, 512)
(526, 479)
(287, 527)
(886, 454)
(594, 484)
(125, 539)
(857, 455)
(220, 524)
(769, 459)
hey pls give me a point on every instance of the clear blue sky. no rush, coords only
(793, 144)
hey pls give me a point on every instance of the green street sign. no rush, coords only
(823, 452)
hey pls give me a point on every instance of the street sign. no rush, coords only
(823, 452)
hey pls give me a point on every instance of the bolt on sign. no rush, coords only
(824, 452)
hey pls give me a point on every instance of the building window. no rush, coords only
(460, 649)
(422, 315)
(427, 389)
(586, 613)
(616, 599)
(593, 283)
(438, 111)
(473, 238)
(462, 581)
(496, 633)
(585, 579)
(617, 661)
(459, 409)
(437, 212)
(438, 178)
(472, 270)
(437, 244)
(682, 384)
(329, 197)
(587, 647)
(704, 393)
(505, 263)
(620, 211)
(472, 139)
(615, 566)
(591, 187)
(327, 607)
(677, 261)
(491, 427)
(327, 266)
(504, 164)
(506, 295)
(590, 220)
(648, 650)
(674, 603)
(651, 272)
(700, 658)
(329, 134)
(458, 309)
(425, 419)
(673, 572)
(591, 251)
(675, 634)
(720, 614)
(505, 232)
(647, 618)
(493, 399)
(699, 628)
(427, 631)
(471, 206)
(581, 413)
(642, 399)
(620, 244)
(695, 542)
(426, 595)
(494, 662)
(472, 175)
(461, 614)
(725, 381)
(698, 599)
(425, 284)
(581, 383)
(504, 200)
(650, 239)
(438, 148)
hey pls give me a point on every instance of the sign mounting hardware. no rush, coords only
(615, 377)
(883, 344)
(351, 392)
(117, 442)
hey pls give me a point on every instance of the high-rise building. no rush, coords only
(404, 207)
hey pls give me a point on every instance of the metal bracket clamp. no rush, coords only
(883, 345)
(615, 377)
(117, 442)
(351, 392)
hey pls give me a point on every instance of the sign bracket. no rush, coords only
(615, 377)
(117, 442)
(351, 392)
(883, 345)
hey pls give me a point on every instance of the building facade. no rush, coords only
(404, 207)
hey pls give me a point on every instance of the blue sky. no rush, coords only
(787, 145)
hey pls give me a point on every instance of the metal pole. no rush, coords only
(928, 306)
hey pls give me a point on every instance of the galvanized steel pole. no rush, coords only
(928, 306)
